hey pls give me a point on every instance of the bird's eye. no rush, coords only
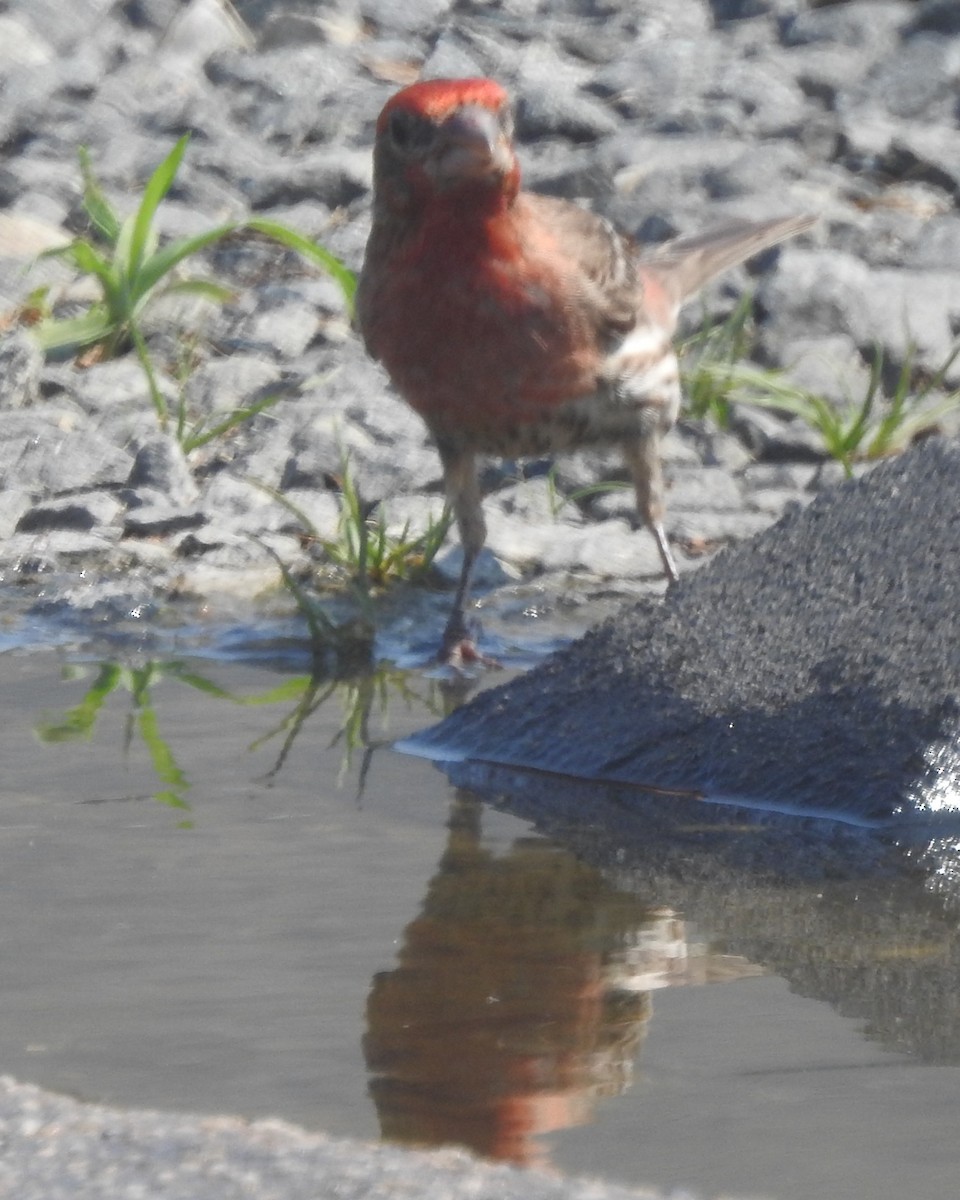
(408, 132)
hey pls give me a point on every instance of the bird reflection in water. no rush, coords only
(521, 996)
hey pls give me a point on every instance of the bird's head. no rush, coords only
(450, 138)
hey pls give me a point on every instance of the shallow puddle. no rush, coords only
(223, 891)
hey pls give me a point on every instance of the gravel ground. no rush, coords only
(57, 1149)
(666, 117)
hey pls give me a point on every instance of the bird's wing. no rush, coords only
(685, 264)
(604, 259)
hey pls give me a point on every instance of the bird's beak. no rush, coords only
(471, 144)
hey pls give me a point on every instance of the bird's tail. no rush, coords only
(685, 264)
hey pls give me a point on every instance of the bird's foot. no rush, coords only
(458, 649)
(464, 654)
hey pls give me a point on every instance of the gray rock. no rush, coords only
(52, 551)
(535, 500)
(64, 27)
(917, 80)
(662, 81)
(200, 29)
(45, 458)
(412, 515)
(710, 488)
(791, 477)
(767, 166)
(774, 502)
(818, 291)
(937, 242)
(699, 534)
(773, 439)
(550, 104)
(223, 385)
(395, 16)
(760, 97)
(20, 366)
(666, 117)
(281, 330)
(832, 367)
(14, 502)
(610, 549)
(21, 44)
(115, 386)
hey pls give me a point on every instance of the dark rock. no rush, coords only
(919, 152)
(81, 512)
(935, 16)
(866, 27)
(160, 521)
(814, 669)
(161, 464)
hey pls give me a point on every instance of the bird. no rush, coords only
(518, 324)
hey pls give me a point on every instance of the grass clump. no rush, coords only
(132, 270)
(364, 559)
(884, 421)
(368, 555)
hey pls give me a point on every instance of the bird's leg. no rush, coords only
(463, 490)
(643, 461)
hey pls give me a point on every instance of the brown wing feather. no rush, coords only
(613, 265)
(685, 264)
(605, 258)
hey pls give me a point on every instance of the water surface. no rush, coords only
(203, 909)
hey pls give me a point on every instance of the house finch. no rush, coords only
(517, 324)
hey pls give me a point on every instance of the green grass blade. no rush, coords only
(237, 417)
(79, 722)
(161, 756)
(201, 287)
(309, 249)
(157, 187)
(164, 260)
(122, 252)
(146, 362)
(93, 326)
(86, 258)
(95, 204)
